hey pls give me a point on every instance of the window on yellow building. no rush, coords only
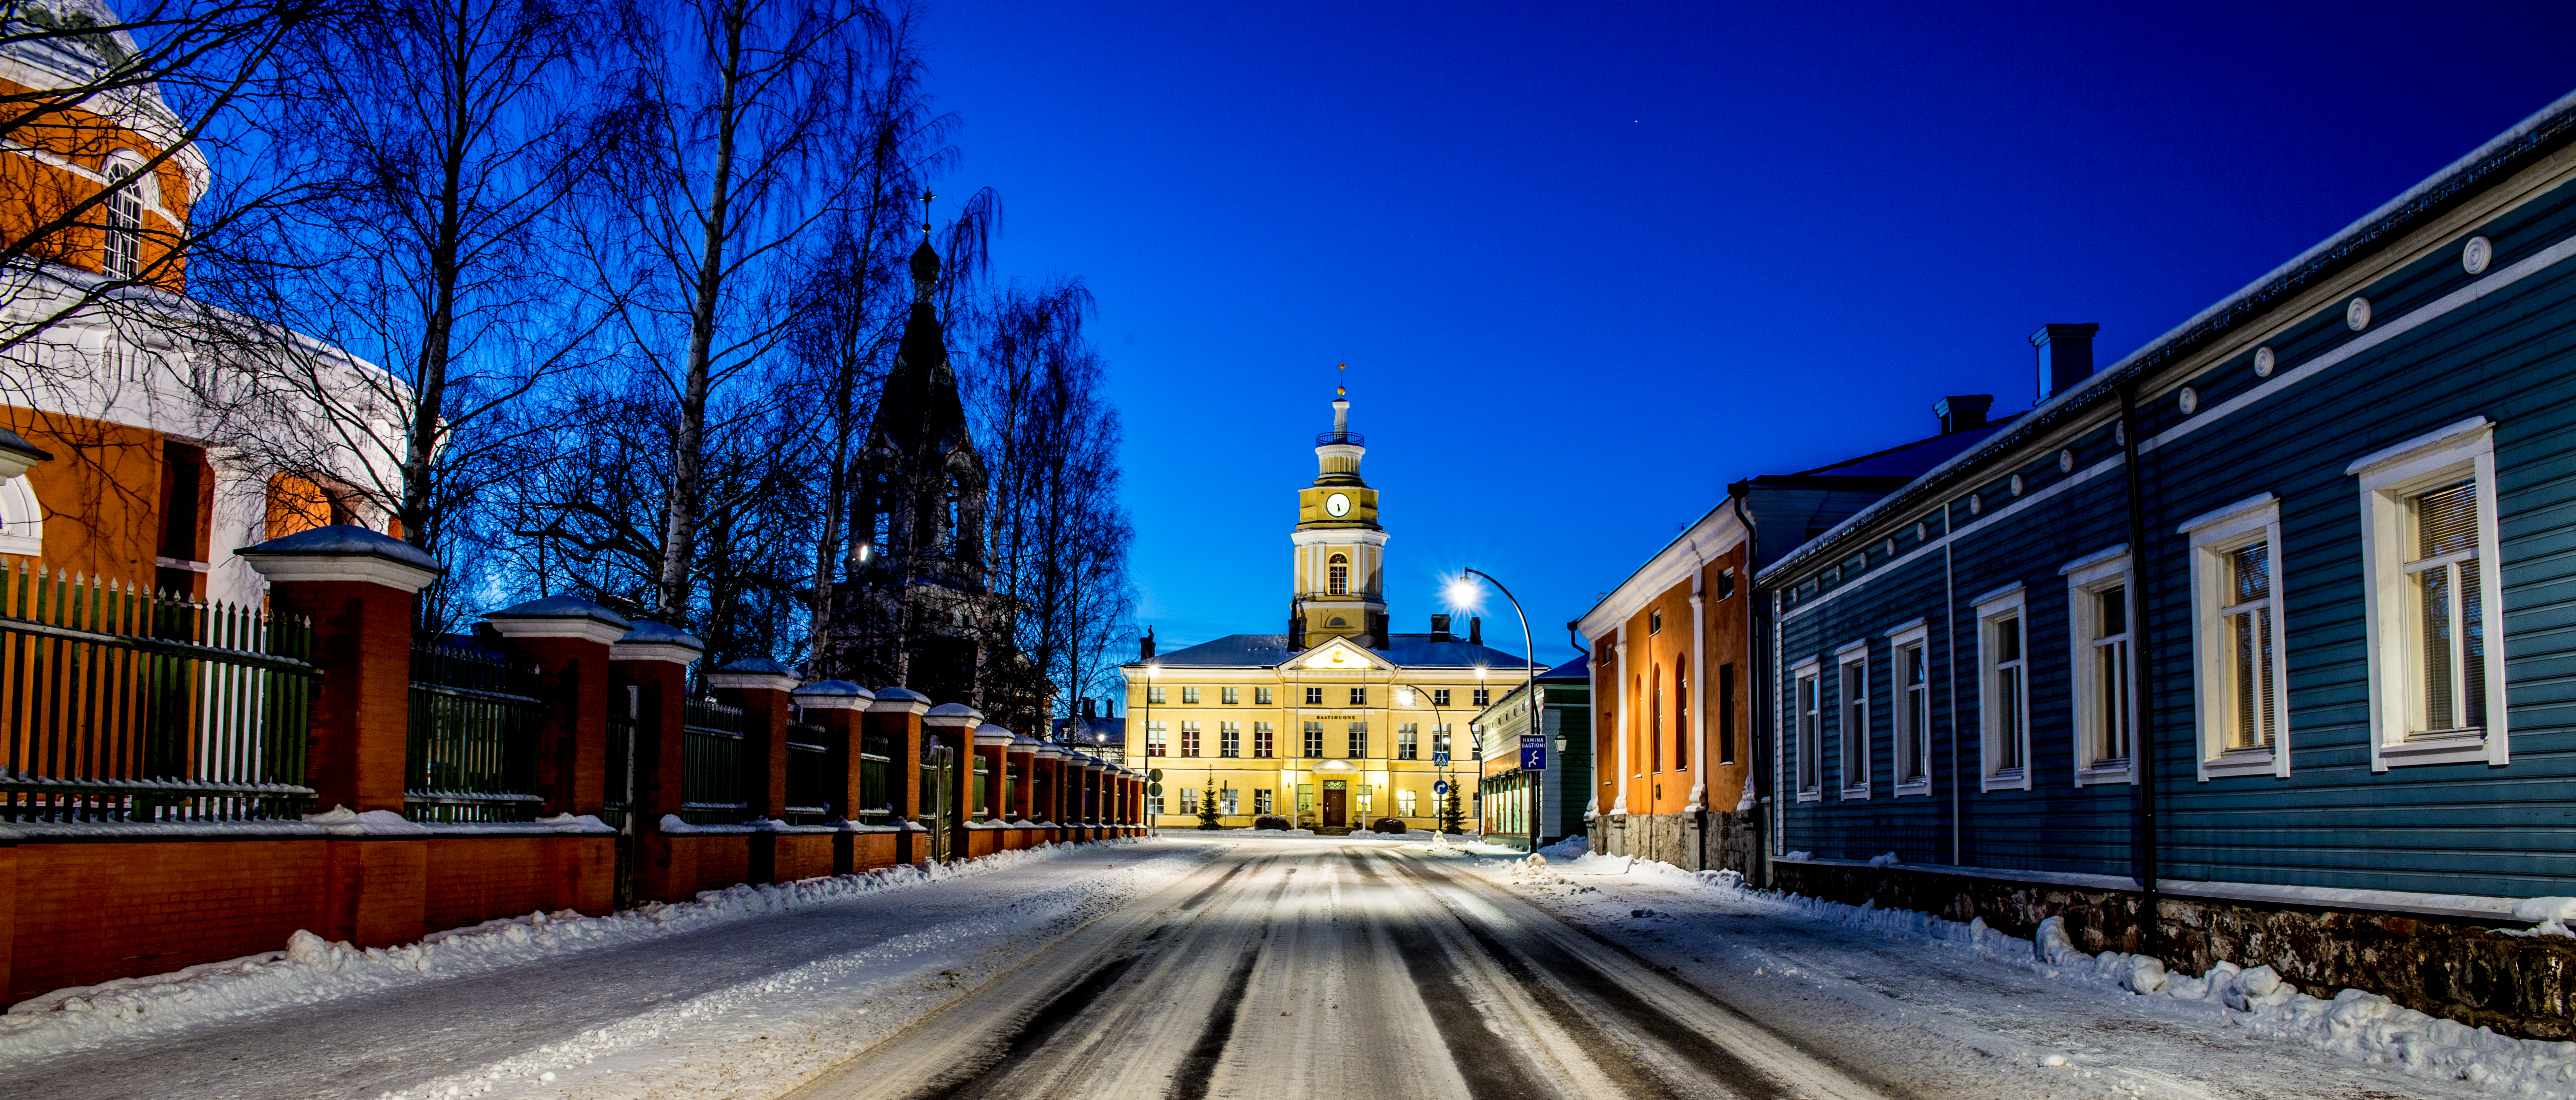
(1337, 573)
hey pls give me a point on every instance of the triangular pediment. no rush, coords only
(1337, 655)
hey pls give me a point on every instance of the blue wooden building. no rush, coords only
(2264, 629)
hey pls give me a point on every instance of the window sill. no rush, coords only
(2239, 763)
(1860, 793)
(2108, 771)
(1811, 796)
(2015, 779)
(1923, 788)
(2450, 747)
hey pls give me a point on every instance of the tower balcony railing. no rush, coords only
(1353, 438)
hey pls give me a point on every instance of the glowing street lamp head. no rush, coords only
(1463, 594)
(1404, 697)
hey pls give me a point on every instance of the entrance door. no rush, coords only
(1337, 802)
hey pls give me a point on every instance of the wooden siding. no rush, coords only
(2457, 828)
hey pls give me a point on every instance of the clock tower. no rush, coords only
(1340, 549)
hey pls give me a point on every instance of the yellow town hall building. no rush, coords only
(1339, 722)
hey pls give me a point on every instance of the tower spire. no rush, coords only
(925, 259)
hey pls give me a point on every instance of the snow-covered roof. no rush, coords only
(1273, 650)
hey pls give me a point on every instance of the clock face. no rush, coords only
(1337, 505)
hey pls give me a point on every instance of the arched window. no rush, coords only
(124, 249)
(22, 519)
(1655, 725)
(1337, 576)
(954, 516)
(1681, 713)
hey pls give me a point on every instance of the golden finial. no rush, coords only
(926, 196)
(1341, 391)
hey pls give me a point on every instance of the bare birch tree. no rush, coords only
(723, 170)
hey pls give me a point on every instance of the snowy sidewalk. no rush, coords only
(740, 997)
(1942, 1010)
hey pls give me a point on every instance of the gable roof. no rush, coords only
(1273, 650)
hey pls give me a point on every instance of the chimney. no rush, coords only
(1962, 411)
(1086, 707)
(1145, 645)
(1440, 629)
(1296, 632)
(1475, 630)
(2065, 356)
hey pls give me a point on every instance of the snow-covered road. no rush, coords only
(1228, 966)
(1321, 969)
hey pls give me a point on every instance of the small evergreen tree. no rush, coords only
(1453, 815)
(1207, 811)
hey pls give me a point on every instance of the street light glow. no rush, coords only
(1463, 594)
(1404, 697)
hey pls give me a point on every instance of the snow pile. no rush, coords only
(312, 970)
(2354, 1023)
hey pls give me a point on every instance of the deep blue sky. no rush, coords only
(1590, 262)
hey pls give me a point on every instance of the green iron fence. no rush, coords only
(620, 787)
(983, 784)
(810, 798)
(876, 801)
(120, 704)
(711, 766)
(474, 716)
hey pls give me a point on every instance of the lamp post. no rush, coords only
(1460, 587)
(1436, 725)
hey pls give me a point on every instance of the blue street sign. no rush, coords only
(1439, 759)
(1441, 787)
(1534, 752)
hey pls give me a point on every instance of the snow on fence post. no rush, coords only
(758, 686)
(1093, 771)
(654, 659)
(895, 714)
(567, 639)
(361, 590)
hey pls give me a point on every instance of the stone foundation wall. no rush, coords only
(2455, 969)
(1669, 838)
(1731, 841)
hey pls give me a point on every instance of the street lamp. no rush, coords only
(1462, 592)
(1151, 667)
(1404, 696)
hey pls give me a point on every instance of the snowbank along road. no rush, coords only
(1322, 970)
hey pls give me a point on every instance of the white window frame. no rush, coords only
(2086, 578)
(1405, 803)
(1229, 740)
(2011, 602)
(2387, 481)
(1189, 697)
(1913, 635)
(1806, 723)
(1230, 696)
(1846, 659)
(1157, 739)
(2214, 535)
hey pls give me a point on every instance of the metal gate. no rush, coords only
(938, 798)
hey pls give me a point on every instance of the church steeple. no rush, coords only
(1339, 587)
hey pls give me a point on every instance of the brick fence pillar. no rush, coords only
(1023, 755)
(567, 638)
(953, 724)
(655, 659)
(1046, 805)
(895, 714)
(1093, 770)
(362, 591)
(836, 705)
(759, 687)
(993, 743)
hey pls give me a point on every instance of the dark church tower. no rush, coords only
(914, 610)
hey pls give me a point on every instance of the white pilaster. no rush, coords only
(1619, 684)
(1699, 693)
